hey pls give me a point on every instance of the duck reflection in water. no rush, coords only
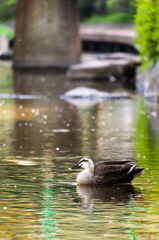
(105, 194)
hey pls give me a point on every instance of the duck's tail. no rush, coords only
(137, 172)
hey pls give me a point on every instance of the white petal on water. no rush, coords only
(61, 130)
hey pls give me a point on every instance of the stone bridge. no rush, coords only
(47, 34)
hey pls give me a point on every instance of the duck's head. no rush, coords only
(85, 163)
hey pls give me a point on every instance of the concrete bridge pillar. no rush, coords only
(46, 34)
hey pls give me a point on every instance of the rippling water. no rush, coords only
(41, 137)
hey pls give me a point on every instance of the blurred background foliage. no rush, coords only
(7, 10)
(7, 15)
(107, 10)
(147, 29)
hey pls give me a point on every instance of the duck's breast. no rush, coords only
(84, 177)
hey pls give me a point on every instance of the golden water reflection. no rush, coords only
(41, 138)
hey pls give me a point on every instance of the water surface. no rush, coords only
(41, 136)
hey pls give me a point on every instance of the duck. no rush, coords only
(106, 172)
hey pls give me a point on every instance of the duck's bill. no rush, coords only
(74, 167)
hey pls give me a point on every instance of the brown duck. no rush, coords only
(106, 172)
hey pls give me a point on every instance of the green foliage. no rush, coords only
(147, 28)
(114, 18)
(7, 9)
(86, 8)
(89, 7)
(6, 31)
(125, 6)
(101, 11)
(7, 13)
(100, 7)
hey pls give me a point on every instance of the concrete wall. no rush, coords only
(46, 34)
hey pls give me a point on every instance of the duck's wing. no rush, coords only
(115, 173)
(114, 162)
(102, 168)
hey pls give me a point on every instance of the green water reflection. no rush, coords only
(41, 138)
